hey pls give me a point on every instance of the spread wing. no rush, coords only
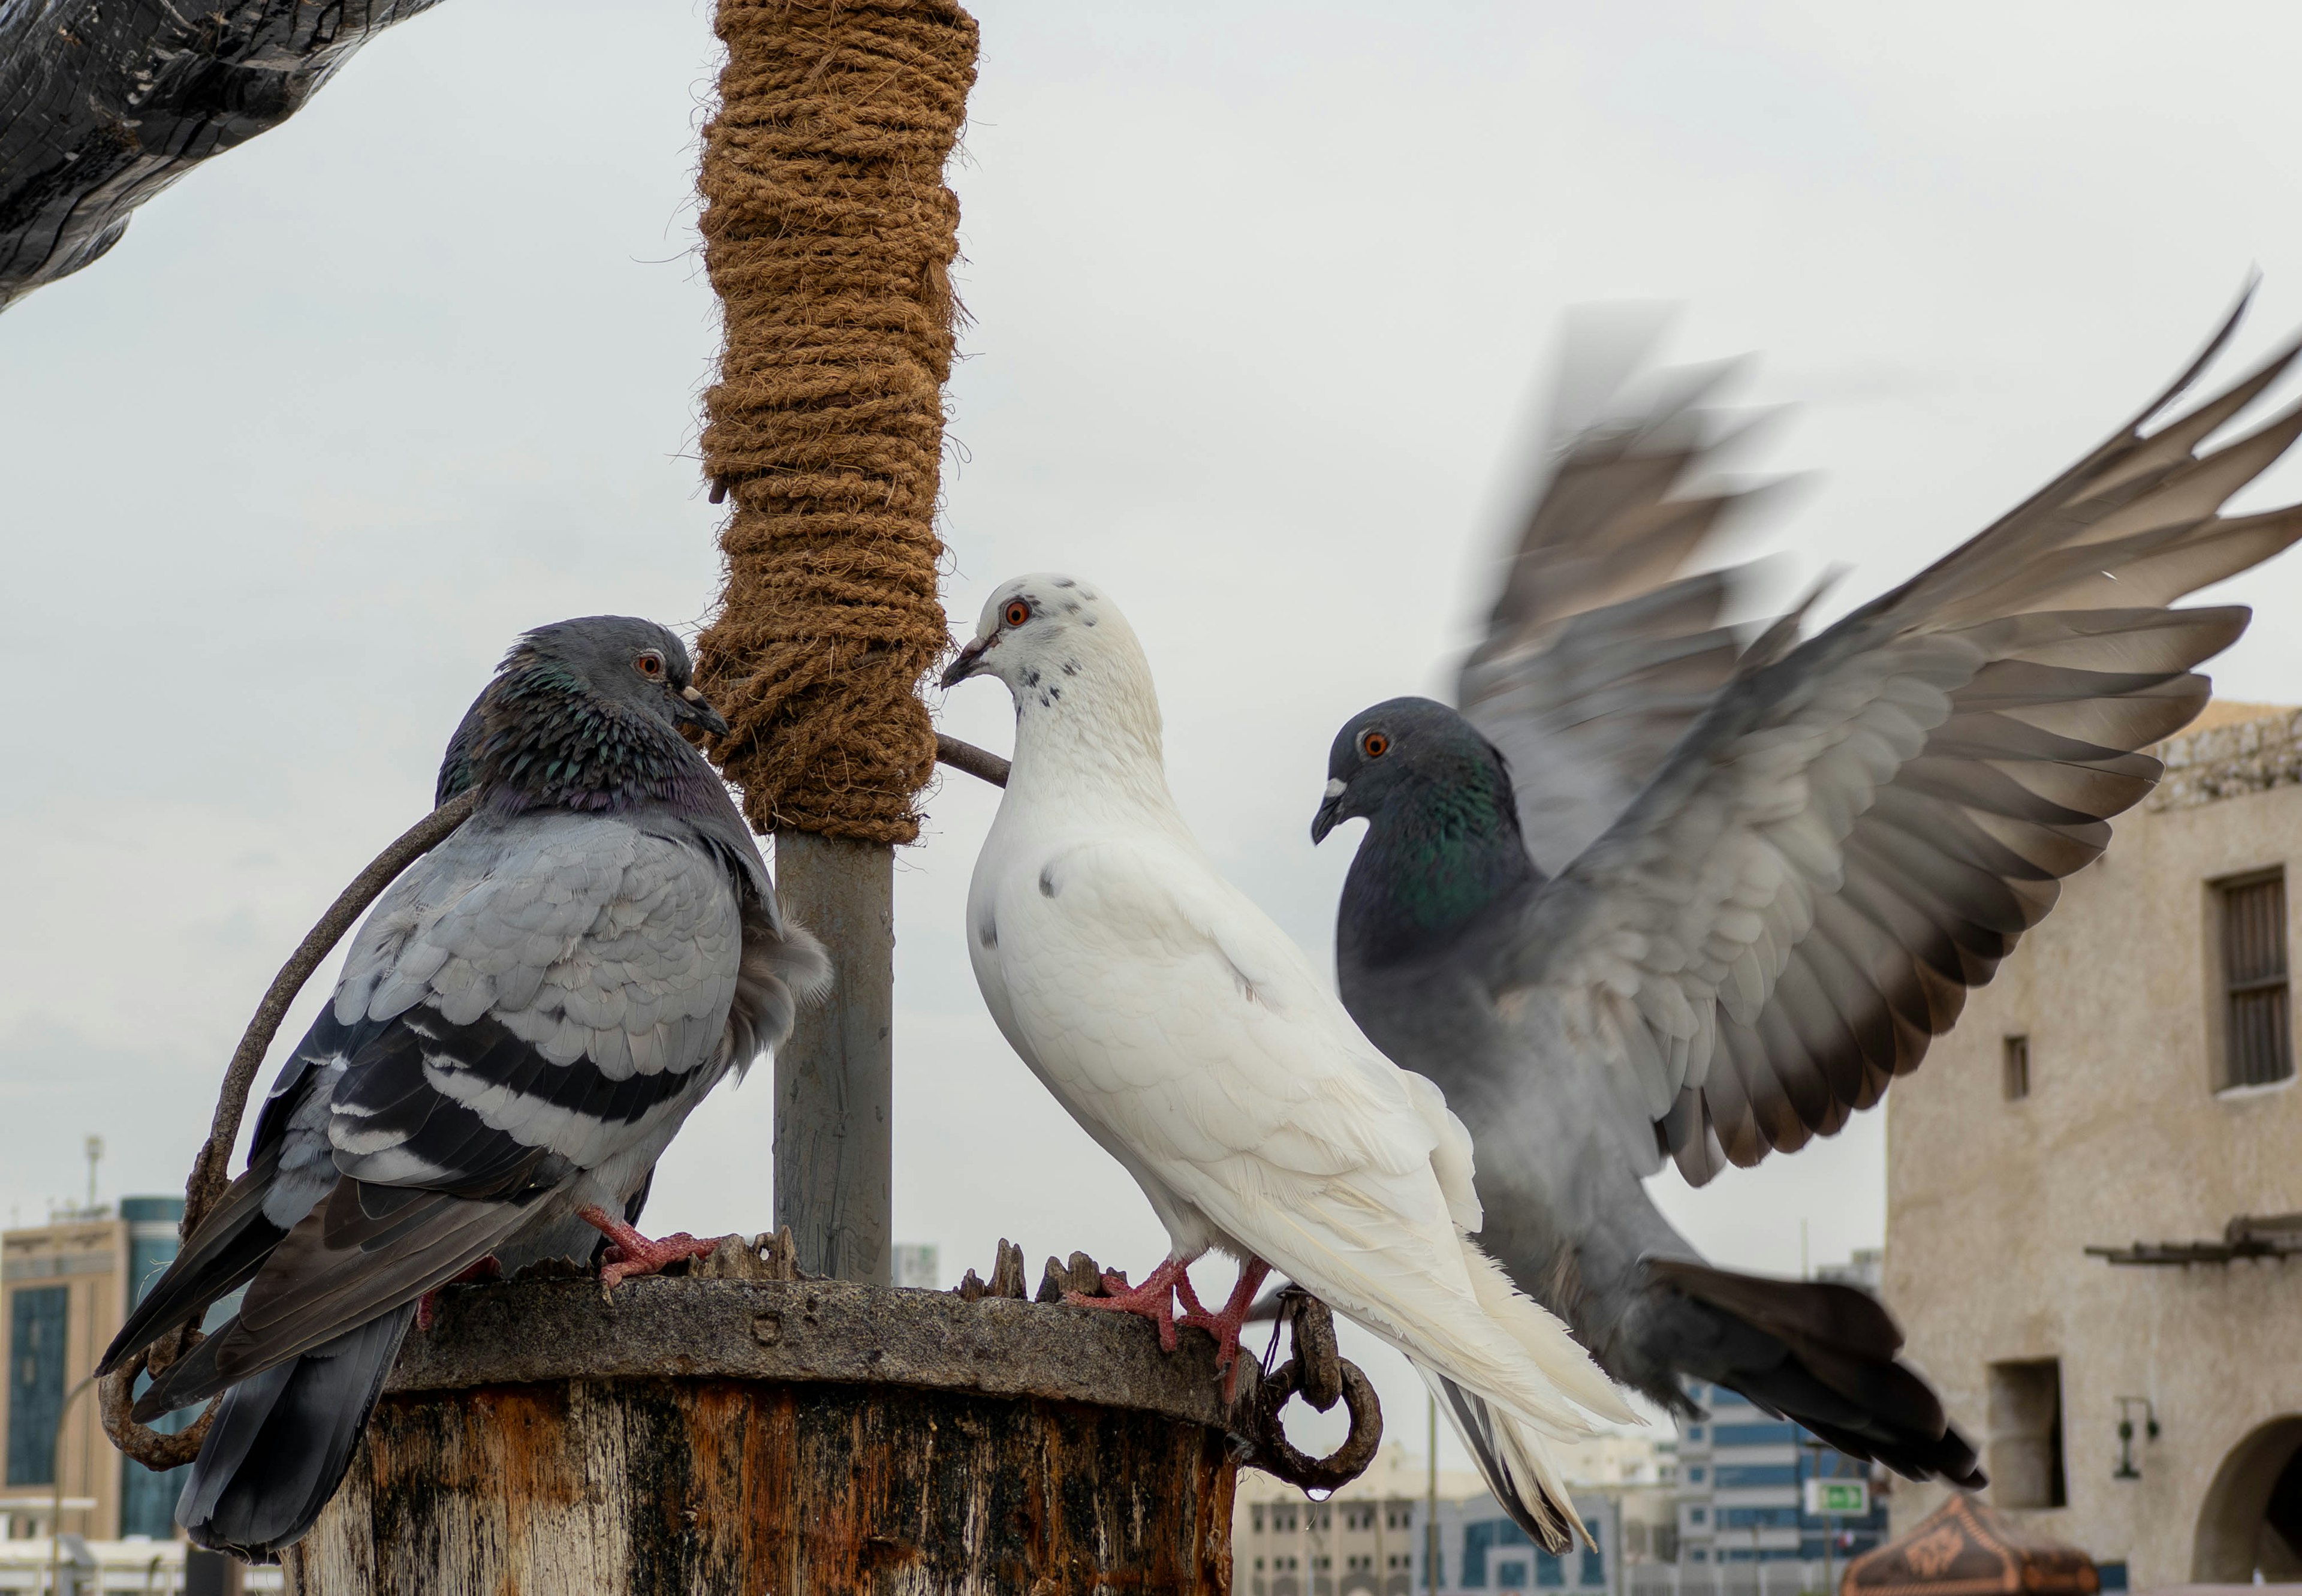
(1600, 653)
(1858, 831)
(534, 1000)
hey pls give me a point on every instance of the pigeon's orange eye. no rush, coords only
(1016, 613)
(1374, 744)
(650, 665)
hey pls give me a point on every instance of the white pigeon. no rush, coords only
(1200, 1047)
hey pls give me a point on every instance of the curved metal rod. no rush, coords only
(979, 762)
(207, 1181)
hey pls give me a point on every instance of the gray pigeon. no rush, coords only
(1655, 894)
(523, 1021)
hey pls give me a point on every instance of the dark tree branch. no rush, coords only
(979, 762)
(104, 102)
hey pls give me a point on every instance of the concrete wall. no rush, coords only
(2123, 1138)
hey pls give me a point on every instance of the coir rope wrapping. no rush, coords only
(829, 235)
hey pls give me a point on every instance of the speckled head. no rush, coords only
(1039, 632)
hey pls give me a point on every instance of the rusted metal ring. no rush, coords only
(155, 1449)
(1270, 1450)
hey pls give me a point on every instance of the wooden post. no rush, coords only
(803, 1438)
(828, 233)
(835, 1077)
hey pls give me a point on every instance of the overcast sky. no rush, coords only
(1259, 294)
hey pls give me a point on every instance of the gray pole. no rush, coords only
(835, 1077)
(1431, 1508)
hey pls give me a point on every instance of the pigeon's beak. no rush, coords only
(692, 708)
(970, 659)
(1331, 810)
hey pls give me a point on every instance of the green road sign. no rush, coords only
(1850, 1497)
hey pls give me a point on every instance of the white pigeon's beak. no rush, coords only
(968, 662)
(1331, 810)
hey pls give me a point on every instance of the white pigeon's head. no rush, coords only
(1038, 631)
(1068, 656)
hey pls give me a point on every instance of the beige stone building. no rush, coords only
(65, 1289)
(2095, 1180)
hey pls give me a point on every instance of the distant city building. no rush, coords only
(917, 1264)
(1370, 1539)
(1741, 1478)
(2095, 1180)
(1865, 1269)
(65, 1289)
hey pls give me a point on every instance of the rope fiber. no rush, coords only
(830, 234)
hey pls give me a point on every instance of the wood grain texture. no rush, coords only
(724, 1486)
(104, 103)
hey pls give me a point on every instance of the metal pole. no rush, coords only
(56, 1468)
(835, 1077)
(1431, 1510)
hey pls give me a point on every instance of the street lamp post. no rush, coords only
(56, 1460)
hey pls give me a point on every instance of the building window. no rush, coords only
(1694, 1474)
(2257, 1039)
(1696, 1516)
(1694, 1433)
(2014, 1069)
(2026, 1434)
(1594, 1571)
(36, 1381)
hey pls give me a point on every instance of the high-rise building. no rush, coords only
(1742, 1476)
(65, 1289)
(1373, 1537)
(916, 1264)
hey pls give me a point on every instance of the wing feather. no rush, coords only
(1861, 828)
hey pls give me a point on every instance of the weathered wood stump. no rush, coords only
(727, 1436)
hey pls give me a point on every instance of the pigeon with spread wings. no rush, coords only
(1659, 893)
(523, 1023)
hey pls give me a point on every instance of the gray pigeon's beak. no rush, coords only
(1331, 810)
(695, 710)
(970, 658)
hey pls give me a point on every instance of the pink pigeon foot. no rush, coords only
(1154, 1299)
(633, 1253)
(1226, 1324)
(427, 1307)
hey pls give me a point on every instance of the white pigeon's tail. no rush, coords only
(1509, 1437)
(1514, 1464)
(1563, 1359)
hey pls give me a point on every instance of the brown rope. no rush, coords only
(828, 234)
(210, 1169)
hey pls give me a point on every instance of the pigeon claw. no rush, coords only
(631, 1254)
(1225, 1323)
(1154, 1299)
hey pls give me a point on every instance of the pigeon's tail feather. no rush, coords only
(1514, 1464)
(282, 1440)
(1818, 1352)
(1546, 1338)
(222, 1256)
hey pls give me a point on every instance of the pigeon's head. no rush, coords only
(1413, 760)
(586, 714)
(632, 664)
(1043, 633)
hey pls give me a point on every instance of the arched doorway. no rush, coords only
(2252, 1517)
